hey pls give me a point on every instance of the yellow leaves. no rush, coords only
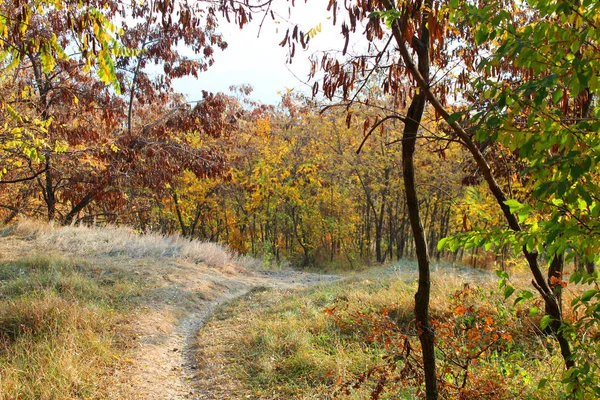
(26, 15)
(263, 127)
(61, 146)
(11, 111)
(314, 31)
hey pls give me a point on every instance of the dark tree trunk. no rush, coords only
(179, 216)
(379, 233)
(409, 139)
(83, 203)
(49, 193)
(590, 267)
(538, 281)
(426, 334)
(555, 270)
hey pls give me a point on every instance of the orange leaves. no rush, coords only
(489, 320)
(465, 337)
(461, 310)
(557, 281)
(400, 364)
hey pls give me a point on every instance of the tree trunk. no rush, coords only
(49, 194)
(531, 256)
(409, 139)
(179, 216)
(426, 334)
(77, 208)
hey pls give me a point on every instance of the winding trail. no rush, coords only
(177, 284)
(164, 363)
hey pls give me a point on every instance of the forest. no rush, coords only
(457, 133)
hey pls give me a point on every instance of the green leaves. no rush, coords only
(481, 35)
(388, 16)
(454, 117)
(546, 319)
(508, 291)
(588, 295)
(522, 210)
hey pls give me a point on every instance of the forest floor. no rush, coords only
(171, 286)
(106, 313)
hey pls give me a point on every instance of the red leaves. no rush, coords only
(346, 33)
(377, 327)
(366, 125)
(556, 281)
(285, 39)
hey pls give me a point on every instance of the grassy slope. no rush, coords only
(281, 345)
(73, 301)
(69, 296)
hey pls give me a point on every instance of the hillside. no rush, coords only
(107, 313)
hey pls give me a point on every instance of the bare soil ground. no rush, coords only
(164, 365)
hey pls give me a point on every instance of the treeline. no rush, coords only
(291, 187)
(297, 190)
(284, 183)
(293, 183)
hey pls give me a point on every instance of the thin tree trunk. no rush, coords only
(84, 202)
(426, 334)
(409, 139)
(179, 216)
(50, 195)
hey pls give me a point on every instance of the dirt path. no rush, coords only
(178, 285)
(164, 364)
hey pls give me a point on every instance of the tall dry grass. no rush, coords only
(67, 297)
(122, 241)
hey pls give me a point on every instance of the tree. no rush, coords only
(510, 93)
(93, 140)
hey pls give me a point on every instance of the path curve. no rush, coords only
(164, 365)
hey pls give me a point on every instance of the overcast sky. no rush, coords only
(261, 62)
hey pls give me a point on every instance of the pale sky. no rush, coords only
(261, 62)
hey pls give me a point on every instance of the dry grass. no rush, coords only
(77, 303)
(57, 330)
(281, 345)
(121, 241)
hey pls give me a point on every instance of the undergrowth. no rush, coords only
(61, 328)
(357, 340)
